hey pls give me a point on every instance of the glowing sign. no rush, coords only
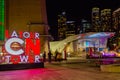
(10, 45)
(22, 48)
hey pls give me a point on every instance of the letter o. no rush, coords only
(26, 34)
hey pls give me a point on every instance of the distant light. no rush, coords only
(70, 21)
(63, 13)
(65, 43)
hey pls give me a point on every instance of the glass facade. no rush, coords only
(1, 19)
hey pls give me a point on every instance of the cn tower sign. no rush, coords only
(22, 47)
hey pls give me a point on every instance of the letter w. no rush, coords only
(24, 59)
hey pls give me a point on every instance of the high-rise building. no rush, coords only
(70, 30)
(95, 18)
(62, 26)
(116, 26)
(105, 21)
(116, 20)
(101, 19)
(25, 15)
(65, 27)
(85, 26)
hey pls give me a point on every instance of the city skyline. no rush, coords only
(75, 10)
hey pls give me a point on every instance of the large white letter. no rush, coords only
(24, 59)
(7, 59)
(14, 34)
(37, 58)
(37, 35)
(10, 50)
(26, 34)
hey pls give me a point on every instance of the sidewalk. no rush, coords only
(60, 71)
(70, 60)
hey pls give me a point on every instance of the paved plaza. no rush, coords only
(60, 71)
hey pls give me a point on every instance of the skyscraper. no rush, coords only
(65, 27)
(95, 18)
(116, 25)
(85, 26)
(101, 19)
(70, 30)
(116, 20)
(62, 26)
(105, 21)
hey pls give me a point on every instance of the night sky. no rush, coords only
(76, 9)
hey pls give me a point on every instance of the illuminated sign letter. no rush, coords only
(14, 34)
(33, 45)
(7, 59)
(24, 59)
(37, 58)
(10, 50)
(37, 35)
(26, 34)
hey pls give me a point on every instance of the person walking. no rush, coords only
(56, 54)
(44, 56)
(49, 56)
(59, 57)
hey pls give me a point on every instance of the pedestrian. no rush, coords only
(59, 57)
(44, 56)
(49, 56)
(56, 54)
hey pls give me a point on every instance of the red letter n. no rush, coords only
(32, 46)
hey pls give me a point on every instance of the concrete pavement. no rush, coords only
(60, 71)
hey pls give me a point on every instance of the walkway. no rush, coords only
(60, 71)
